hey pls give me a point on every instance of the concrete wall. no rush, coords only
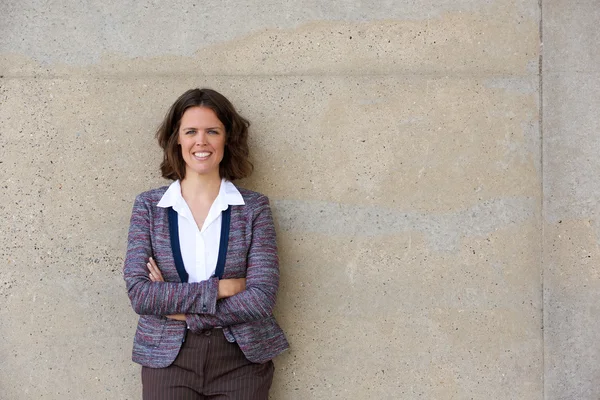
(571, 126)
(399, 143)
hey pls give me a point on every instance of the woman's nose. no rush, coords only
(201, 138)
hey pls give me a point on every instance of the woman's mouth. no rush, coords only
(201, 155)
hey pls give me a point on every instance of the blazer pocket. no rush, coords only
(150, 330)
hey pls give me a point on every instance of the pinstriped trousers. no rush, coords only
(208, 367)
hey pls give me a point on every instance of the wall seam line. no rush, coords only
(542, 196)
(406, 75)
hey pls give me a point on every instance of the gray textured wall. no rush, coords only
(571, 126)
(424, 243)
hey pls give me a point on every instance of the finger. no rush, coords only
(178, 317)
(153, 268)
(154, 277)
(152, 265)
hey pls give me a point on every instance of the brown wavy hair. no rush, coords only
(235, 163)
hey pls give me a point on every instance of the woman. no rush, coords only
(201, 266)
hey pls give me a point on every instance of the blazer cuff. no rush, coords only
(209, 297)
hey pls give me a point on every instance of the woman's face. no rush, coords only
(202, 140)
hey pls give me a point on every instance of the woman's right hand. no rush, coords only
(230, 287)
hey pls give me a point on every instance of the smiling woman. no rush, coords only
(235, 163)
(202, 141)
(201, 266)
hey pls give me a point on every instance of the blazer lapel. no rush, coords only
(175, 247)
(162, 247)
(223, 242)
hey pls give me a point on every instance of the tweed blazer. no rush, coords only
(246, 318)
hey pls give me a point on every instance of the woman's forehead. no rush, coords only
(204, 117)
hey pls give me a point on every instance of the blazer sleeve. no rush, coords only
(159, 298)
(262, 279)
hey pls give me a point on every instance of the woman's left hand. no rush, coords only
(156, 276)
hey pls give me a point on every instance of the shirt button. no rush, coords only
(204, 308)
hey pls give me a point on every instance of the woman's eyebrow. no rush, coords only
(206, 129)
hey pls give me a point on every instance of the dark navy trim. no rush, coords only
(175, 246)
(174, 233)
(223, 243)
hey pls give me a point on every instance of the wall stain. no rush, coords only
(444, 230)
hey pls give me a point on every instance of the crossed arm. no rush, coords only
(239, 300)
(227, 287)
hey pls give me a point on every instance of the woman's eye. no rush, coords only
(189, 132)
(212, 132)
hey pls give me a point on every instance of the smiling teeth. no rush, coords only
(202, 155)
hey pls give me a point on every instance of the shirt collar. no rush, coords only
(172, 196)
(228, 195)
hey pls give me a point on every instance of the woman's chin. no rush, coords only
(204, 172)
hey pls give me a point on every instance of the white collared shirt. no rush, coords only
(200, 247)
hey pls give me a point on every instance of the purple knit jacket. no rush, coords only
(247, 317)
